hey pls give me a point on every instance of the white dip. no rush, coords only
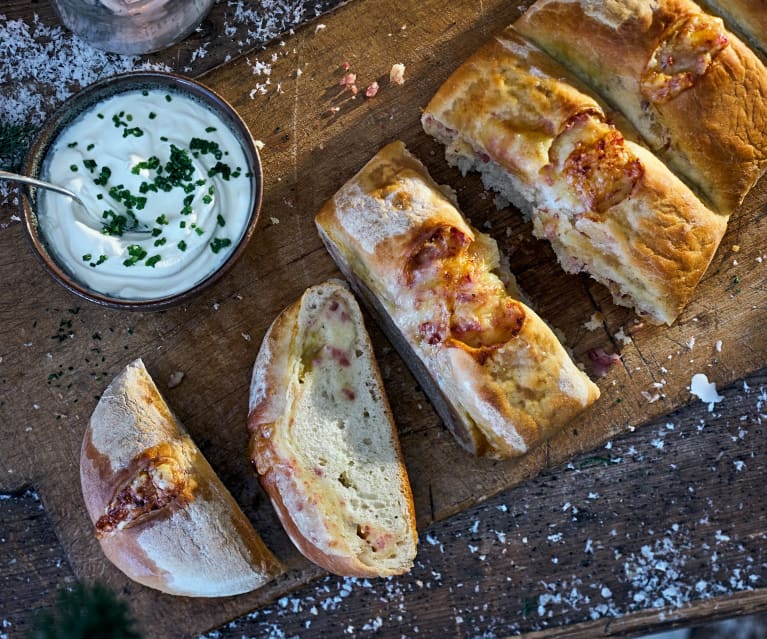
(167, 189)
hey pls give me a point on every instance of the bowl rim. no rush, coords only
(91, 95)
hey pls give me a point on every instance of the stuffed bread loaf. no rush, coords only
(691, 88)
(605, 203)
(495, 372)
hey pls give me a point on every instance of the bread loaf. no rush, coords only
(494, 371)
(161, 514)
(691, 87)
(605, 203)
(323, 439)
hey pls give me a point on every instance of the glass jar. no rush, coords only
(132, 26)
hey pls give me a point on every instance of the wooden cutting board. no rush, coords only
(58, 353)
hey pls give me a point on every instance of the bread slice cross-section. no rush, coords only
(323, 439)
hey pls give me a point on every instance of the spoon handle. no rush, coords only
(15, 177)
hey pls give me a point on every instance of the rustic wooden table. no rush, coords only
(648, 513)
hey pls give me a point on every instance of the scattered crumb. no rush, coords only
(259, 144)
(274, 220)
(602, 361)
(651, 397)
(175, 379)
(320, 27)
(397, 74)
(736, 248)
(705, 390)
(718, 346)
(596, 321)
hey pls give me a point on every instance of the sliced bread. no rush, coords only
(323, 439)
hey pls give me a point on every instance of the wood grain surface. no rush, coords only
(58, 353)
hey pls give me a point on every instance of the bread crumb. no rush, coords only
(274, 220)
(595, 322)
(705, 390)
(736, 248)
(718, 346)
(397, 74)
(259, 144)
(320, 27)
(175, 379)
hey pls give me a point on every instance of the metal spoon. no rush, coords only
(15, 177)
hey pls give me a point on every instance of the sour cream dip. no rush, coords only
(167, 190)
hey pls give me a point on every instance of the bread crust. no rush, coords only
(599, 198)
(307, 508)
(501, 387)
(197, 542)
(706, 121)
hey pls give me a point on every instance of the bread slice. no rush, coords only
(161, 514)
(323, 439)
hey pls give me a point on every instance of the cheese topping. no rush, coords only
(595, 162)
(685, 52)
(160, 482)
(456, 297)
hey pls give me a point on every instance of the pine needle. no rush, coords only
(14, 140)
(85, 613)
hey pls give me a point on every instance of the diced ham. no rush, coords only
(372, 90)
(602, 361)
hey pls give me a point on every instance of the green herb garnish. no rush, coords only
(218, 243)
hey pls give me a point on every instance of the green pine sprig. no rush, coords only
(82, 612)
(14, 141)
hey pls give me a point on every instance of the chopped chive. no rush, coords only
(152, 260)
(218, 243)
(87, 257)
(182, 245)
(220, 219)
(72, 145)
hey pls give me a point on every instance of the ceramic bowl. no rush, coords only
(68, 113)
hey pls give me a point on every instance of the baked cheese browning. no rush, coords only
(462, 302)
(685, 52)
(595, 162)
(159, 482)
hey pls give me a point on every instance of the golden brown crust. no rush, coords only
(161, 514)
(686, 83)
(507, 380)
(598, 197)
(310, 505)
